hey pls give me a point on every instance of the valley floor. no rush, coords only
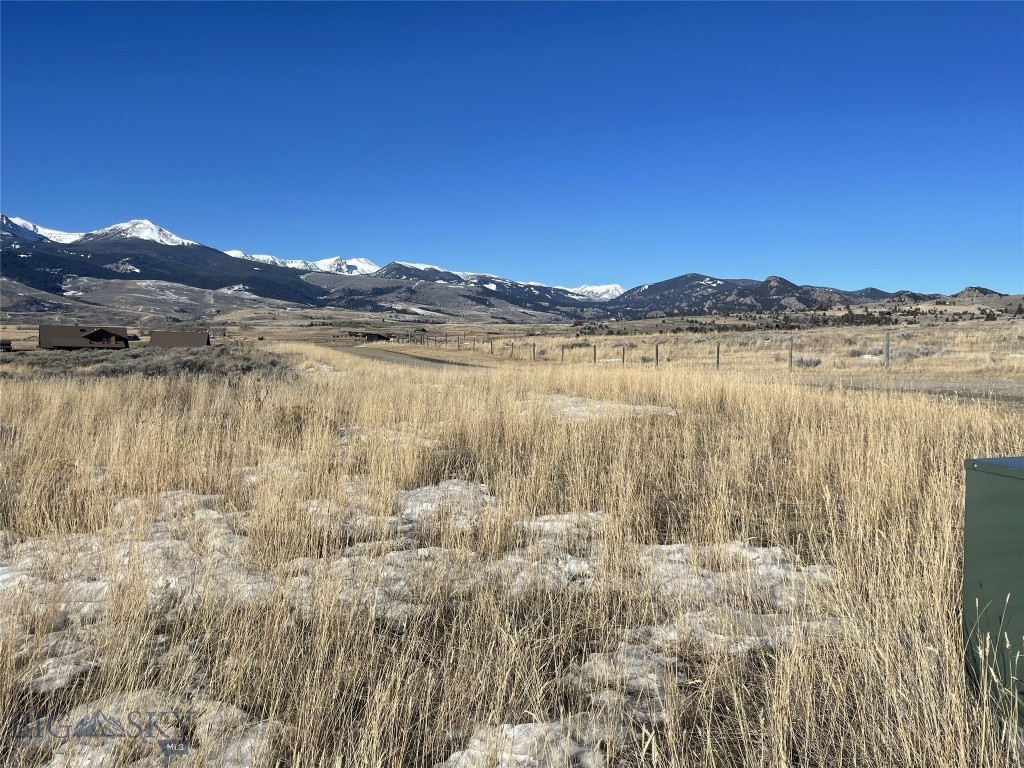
(295, 555)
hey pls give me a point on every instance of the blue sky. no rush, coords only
(830, 143)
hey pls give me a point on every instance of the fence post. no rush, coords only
(491, 343)
(563, 353)
(791, 353)
(656, 358)
(718, 354)
(887, 335)
(623, 355)
(534, 352)
(512, 354)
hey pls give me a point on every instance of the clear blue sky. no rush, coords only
(830, 143)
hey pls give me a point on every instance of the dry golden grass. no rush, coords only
(961, 351)
(868, 483)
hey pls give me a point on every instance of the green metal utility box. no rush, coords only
(993, 598)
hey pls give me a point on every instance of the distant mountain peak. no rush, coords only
(54, 235)
(334, 264)
(774, 281)
(975, 292)
(407, 270)
(356, 266)
(599, 292)
(137, 229)
(416, 265)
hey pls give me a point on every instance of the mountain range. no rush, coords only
(77, 263)
(334, 264)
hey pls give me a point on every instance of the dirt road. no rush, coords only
(999, 391)
(391, 356)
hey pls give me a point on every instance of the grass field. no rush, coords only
(966, 351)
(312, 559)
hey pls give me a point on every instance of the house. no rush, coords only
(179, 339)
(370, 336)
(82, 337)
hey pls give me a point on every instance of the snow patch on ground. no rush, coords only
(108, 728)
(123, 266)
(415, 310)
(582, 409)
(174, 553)
(349, 436)
(528, 745)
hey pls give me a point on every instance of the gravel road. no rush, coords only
(391, 356)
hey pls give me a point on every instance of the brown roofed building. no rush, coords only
(178, 339)
(370, 336)
(82, 337)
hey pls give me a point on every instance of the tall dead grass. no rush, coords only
(868, 483)
(967, 351)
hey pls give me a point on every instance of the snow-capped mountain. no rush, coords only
(334, 264)
(411, 288)
(136, 229)
(407, 270)
(50, 234)
(356, 266)
(599, 292)
(139, 251)
(416, 265)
